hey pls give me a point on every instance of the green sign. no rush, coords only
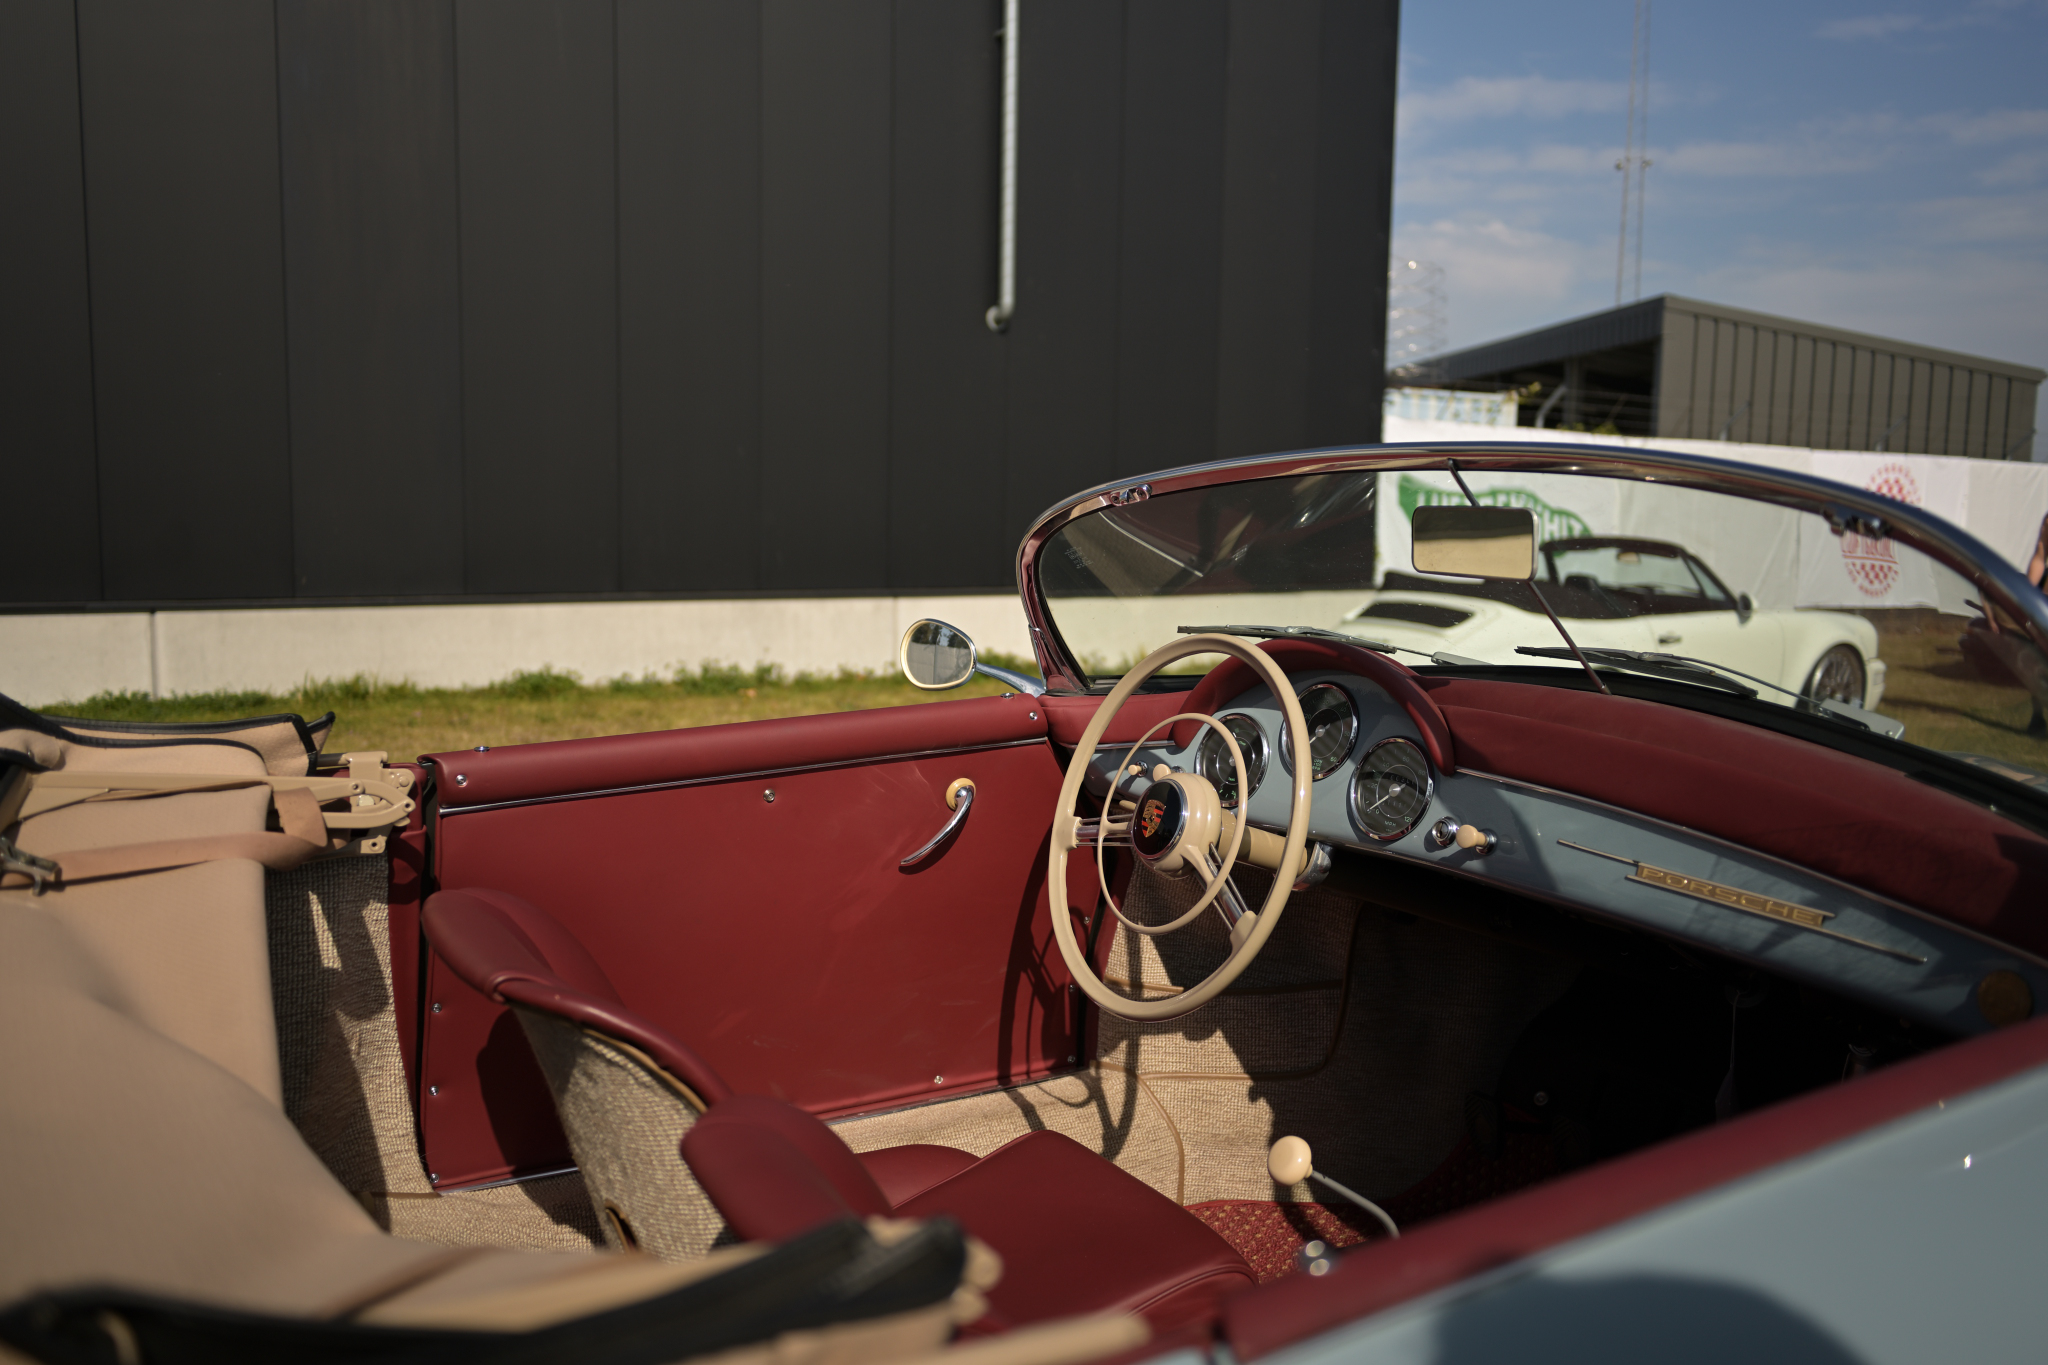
(1552, 523)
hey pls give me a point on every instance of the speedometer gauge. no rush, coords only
(1332, 726)
(1212, 760)
(1392, 789)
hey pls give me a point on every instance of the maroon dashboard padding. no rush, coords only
(1400, 682)
(515, 954)
(1381, 1274)
(1078, 1235)
(1869, 825)
(1070, 716)
(908, 1171)
(526, 772)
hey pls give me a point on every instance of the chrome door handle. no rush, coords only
(1669, 639)
(960, 796)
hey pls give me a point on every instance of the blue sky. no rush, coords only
(1882, 167)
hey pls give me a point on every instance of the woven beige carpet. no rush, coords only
(1356, 1029)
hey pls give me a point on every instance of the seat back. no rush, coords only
(626, 1091)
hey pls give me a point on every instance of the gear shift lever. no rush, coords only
(1290, 1162)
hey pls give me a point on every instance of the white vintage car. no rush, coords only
(1624, 592)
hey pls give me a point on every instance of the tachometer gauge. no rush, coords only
(1212, 760)
(1392, 789)
(1332, 726)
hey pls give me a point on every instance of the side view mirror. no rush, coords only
(937, 657)
(1475, 542)
(1744, 608)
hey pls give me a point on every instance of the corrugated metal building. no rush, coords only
(1677, 367)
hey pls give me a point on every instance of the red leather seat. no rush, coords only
(1076, 1234)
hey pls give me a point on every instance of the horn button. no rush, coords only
(1178, 815)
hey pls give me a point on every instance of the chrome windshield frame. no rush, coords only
(1844, 507)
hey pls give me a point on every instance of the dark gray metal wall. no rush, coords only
(1789, 383)
(1682, 368)
(443, 299)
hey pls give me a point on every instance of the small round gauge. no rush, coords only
(1212, 760)
(1332, 726)
(1392, 789)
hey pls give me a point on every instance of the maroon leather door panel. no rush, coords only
(781, 939)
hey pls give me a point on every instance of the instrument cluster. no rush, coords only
(1387, 790)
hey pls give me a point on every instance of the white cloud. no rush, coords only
(2021, 218)
(2021, 168)
(1870, 26)
(1493, 97)
(1502, 278)
(1997, 126)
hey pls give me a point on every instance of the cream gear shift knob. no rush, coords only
(1290, 1161)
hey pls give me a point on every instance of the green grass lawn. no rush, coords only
(409, 721)
(1945, 705)
(1928, 686)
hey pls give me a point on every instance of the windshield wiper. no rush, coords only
(1318, 633)
(1638, 661)
(1685, 668)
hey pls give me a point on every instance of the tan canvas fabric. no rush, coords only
(187, 945)
(277, 743)
(135, 1163)
(134, 1160)
(625, 1124)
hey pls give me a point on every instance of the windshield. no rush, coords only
(1767, 602)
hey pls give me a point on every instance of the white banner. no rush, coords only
(1855, 571)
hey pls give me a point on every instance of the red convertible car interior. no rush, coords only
(974, 1028)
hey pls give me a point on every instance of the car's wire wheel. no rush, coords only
(1838, 676)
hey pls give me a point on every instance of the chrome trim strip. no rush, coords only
(1799, 869)
(1840, 504)
(446, 811)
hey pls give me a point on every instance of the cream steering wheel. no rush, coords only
(1175, 822)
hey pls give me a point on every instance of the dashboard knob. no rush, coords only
(1471, 838)
(1290, 1161)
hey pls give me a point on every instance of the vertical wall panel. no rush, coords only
(46, 426)
(182, 212)
(1940, 398)
(1674, 375)
(1855, 433)
(1742, 392)
(1170, 257)
(1920, 426)
(1266, 301)
(1354, 212)
(945, 365)
(539, 296)
(690, 293)
(1061, 408)
(825, 293)
(367, 116)
(1996, 437)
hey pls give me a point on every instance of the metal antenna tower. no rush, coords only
(1417, 324)
(1635, 146)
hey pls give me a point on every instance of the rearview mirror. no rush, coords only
(936, 656)
(1475, 542)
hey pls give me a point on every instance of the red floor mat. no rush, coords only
(1268, 1234)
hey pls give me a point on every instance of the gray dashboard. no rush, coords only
(1636, 870)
